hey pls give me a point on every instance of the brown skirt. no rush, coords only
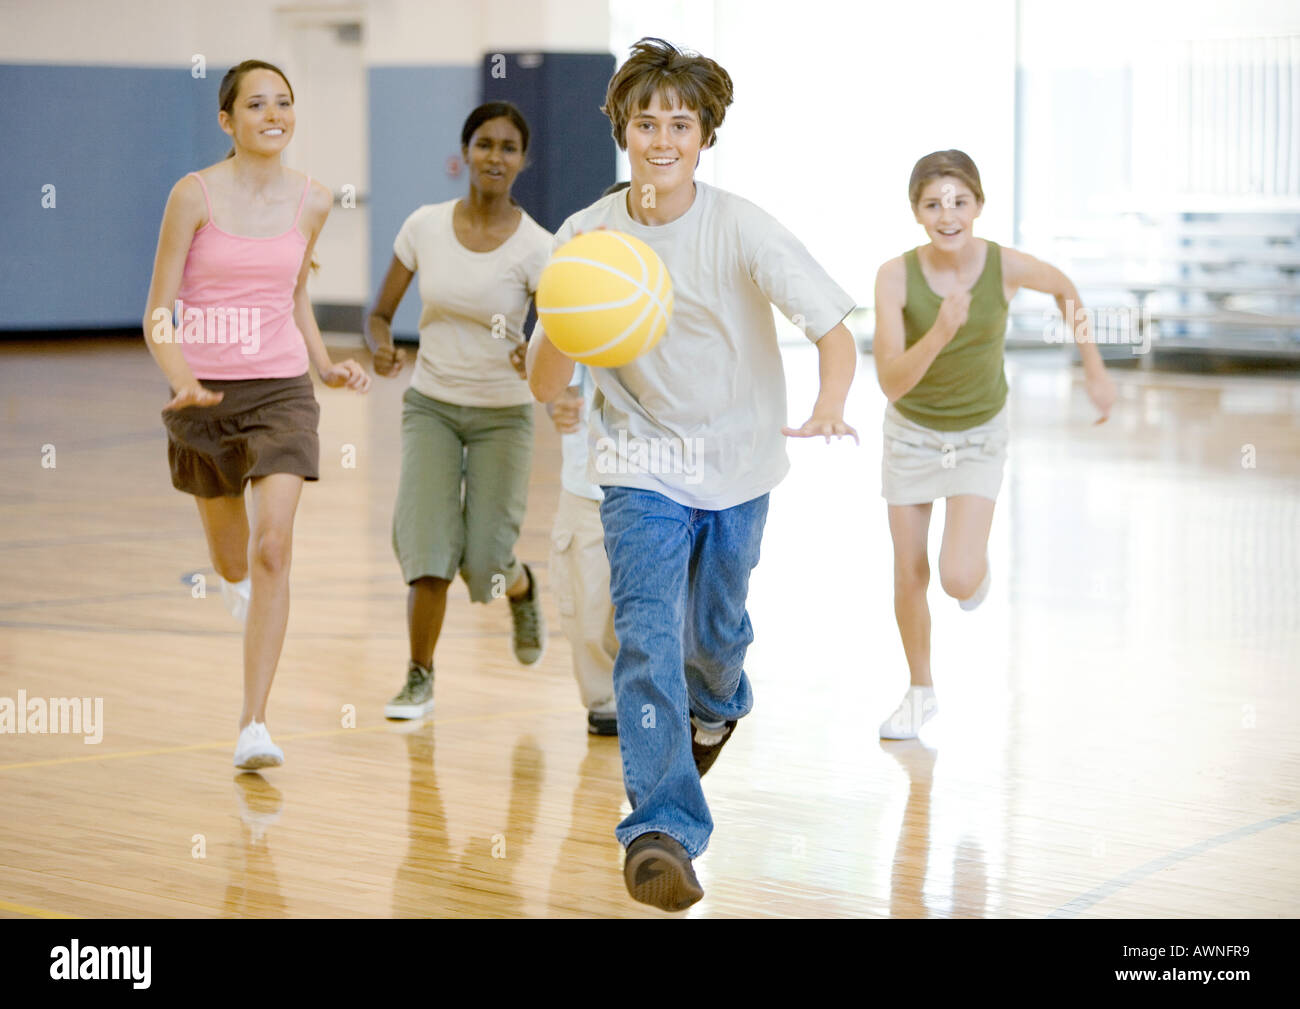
(261, 426)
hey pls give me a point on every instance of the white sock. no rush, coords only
(236, 596)
(708, 733)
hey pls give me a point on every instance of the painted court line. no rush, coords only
(229, 743)
(1113, 886)
(34, 912)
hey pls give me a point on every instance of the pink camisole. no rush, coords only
(235, 313)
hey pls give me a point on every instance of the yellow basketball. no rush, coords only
(605, 298)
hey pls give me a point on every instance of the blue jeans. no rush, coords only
(678, 578)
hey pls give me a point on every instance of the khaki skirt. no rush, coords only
(261, 426)
(920, 465)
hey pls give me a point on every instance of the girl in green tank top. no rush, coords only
(941, 317)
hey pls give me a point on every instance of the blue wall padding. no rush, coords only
(112, 141)
(415, 118)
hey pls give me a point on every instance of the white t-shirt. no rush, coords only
(573, 446)
(473, 307)
(698, 419)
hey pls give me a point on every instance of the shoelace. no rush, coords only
(415, 677)
(526, 622)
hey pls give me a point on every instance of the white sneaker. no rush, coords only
(917, 708)
(981, 592)
(255, 748)
(236, 596)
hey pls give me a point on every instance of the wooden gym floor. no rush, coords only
(1117, 738)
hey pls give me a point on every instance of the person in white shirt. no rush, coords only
(686, 442)
(579, 567)
(467, 420)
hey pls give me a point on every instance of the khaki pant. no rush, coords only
(462, 493)
(580, 577)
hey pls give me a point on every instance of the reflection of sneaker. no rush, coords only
(255, 748)
(917, 708)
(980, 593)
(259, 803)
(602, 723)
(236, 595)
(415, 700)
(530, 626)
(658, 872)
(707, 743)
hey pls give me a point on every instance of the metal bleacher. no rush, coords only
(1226, 283)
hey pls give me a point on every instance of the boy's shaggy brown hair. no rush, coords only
(659, 67)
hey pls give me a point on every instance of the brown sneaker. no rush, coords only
(530, 626)
(658, 872)
(706, 744)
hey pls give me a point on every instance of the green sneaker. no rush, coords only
(416, 698)
(530, 625)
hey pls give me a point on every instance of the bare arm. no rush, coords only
(837, 360)
(897, 369)
(182, 217)
(549, 371)
(379, 323)
(315, 212)
(1022, 270)
(837, 356)
(345, 373)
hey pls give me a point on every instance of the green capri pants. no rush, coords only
(463, 491)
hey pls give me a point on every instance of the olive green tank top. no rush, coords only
(966, 385)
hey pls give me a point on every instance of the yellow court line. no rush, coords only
(35, 912)
(301, 735)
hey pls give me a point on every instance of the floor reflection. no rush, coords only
(908, 897)
(254, 890)
(432, 881)
(590, 858)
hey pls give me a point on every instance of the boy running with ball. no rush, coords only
(682, 540)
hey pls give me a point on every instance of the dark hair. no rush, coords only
(494, 110)
(655, 67)
(229, 90)
(935, 166)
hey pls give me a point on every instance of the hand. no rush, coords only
(566, 411)
(347, 373)
(822, 422)
(389, 360)
(953, 312)
(519, 358)
(193, 395)
(1101, 390)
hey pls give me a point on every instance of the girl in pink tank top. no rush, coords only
(245, 286)
(232, 262)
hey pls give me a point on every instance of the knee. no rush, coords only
(271, 551)
(231, 568)
(960, 579)
(912, 575)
